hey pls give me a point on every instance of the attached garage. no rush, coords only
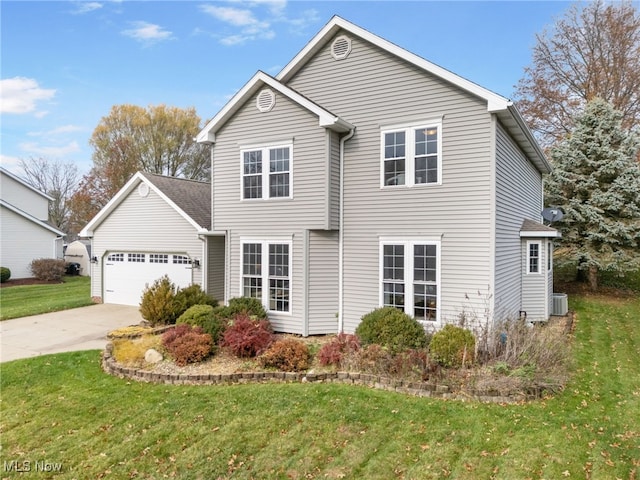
(127, 274)
(154, 226)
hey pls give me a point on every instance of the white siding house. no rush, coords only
(26, 233)
(363, 175)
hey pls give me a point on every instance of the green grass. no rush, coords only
(64, 409)
(25, 300)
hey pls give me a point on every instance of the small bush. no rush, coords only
(372, 359)
(334, 351)
(187, 344)
(5, 274)
(157, 305)
(192, 295)
(392, 329)
(203, 316)
(48, 269)
(247, 337)
(288, 355)
(131, 351)
(453, 346)
(412, 364)
(242, 305)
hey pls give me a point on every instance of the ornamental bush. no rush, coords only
(5, 274)
(247, 337)
(453, 346)
(203, 316)
(48, 269)
(288, 355)
(158, 302)
(187, 344)
(190, 296)
(242, 305)
(392, 329)
(335, 351)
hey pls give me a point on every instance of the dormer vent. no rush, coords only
(341, 47)
(266, 100)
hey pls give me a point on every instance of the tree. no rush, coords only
(593, 51)
(158, 139)
(57, 179)
(596, 181)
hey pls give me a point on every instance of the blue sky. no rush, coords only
(65, 64)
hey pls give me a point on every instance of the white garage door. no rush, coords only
(127, 274)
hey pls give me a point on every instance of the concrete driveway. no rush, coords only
(84, 328)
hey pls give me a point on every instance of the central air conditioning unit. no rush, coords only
(560, 304)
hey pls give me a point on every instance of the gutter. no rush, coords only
(343, 140)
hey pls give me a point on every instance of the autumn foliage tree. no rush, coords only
(593, 51)
(157, 139)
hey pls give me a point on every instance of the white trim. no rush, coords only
(410, 154)
(540, 257)
(540, 234)
(265, 242)
(409, 281)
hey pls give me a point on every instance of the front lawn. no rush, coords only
(64, 410)
(25, 300)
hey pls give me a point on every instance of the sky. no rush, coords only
(65, 64)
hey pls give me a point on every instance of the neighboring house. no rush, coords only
(363, 175)
(26, 233)
(154, 226)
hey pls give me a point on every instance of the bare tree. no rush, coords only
(593, 51)
(57, 179)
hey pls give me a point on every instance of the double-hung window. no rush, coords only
(266, 172)
(266, 273)
(410, 277)
(534, 252)
(411, 155)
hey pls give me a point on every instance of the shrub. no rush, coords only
(187, 344)
(190, 296)
(48, 269)
(203, 316)
(373, 359)
(414, 364)
(242, 305)
(392, 329)
(288, 354)
(131, 351)
(334, 351)
(5, 274)
(247, 337)
(157, 305)
(453, 346)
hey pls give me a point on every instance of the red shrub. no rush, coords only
(288, 355)
(187, 344)
(245, 337)
(333, 352)
(413, 364)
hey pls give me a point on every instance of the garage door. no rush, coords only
(126, 274)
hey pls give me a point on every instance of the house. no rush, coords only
(154, 226)
(364, 175)
(26, 233)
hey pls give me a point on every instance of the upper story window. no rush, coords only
(411, 155)
(266, 172)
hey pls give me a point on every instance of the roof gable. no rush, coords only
(326, 119)
(31, 218)
(10, 175)
(190, 198)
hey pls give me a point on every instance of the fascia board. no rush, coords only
(31, 218)
(539, 234)
(325, 118)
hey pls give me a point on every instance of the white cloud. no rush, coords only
(86, 7)
(50, 151)
(11, 164)
(235, 16)
(147, 32)
(20, 95)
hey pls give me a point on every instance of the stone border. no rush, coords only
(380, 382)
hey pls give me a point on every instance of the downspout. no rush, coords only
(343, 140)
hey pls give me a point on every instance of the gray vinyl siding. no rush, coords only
(215, 267)
(373, 89)
(285, 123)
(22, 197)
(323, 282)
(334, 181)
(518, 197)
(535, 287)
(144, 224)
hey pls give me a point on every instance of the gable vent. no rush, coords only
(341, 47)
(266, 100)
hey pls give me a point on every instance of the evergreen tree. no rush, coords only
(596, 182)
